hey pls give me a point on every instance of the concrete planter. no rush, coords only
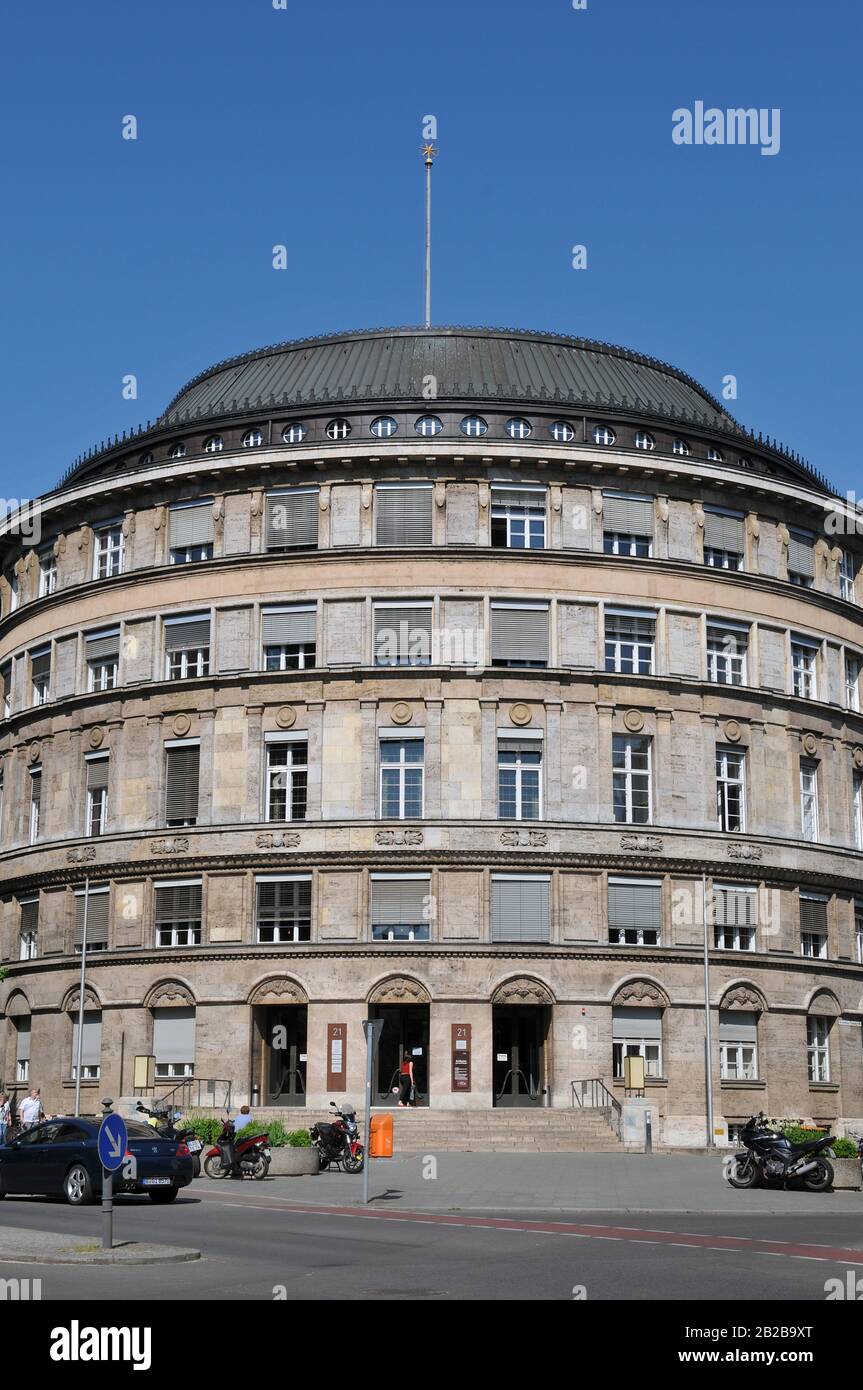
(294, 1163)
(847, 1174)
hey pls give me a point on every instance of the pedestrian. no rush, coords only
(407, 1086)
(31, 1110)
(5, 1116)
(244, 1118)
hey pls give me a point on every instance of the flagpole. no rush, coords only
(429, 153)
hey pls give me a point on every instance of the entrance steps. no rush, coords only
(482, 1131)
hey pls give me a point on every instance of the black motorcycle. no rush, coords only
(339, 1142)
(770, 1159)
(164, 1123)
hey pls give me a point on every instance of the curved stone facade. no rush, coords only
(466, 730)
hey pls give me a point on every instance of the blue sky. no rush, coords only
(303, 127)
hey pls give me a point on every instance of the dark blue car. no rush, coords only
(59, 1158)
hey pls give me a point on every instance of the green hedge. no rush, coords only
(208, 1127)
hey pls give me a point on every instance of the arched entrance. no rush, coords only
(521, 1021)
(279, 1043)
(403, 1005)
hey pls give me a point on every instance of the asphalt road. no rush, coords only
(257, 1246)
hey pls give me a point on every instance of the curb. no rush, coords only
(120, 1255)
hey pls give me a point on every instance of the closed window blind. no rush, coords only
(634, 904)
(174, 1035)
(191, 525)
(734, 907)
(403, 635)
(519, 909)
(284, 904)
(102, 646)
(723, 530)
(36, 786)
(636, 1024)
(97, 773)
(185, 633)
(801, 558)
(738, 1025)
(178, 902)
(181, 784)
(91, 1041)
(284, 627)
(29, 916)
(519, 634)
(400, 901)
(97, 917)
(631, 516)
(403, 515)
(23, 1031)
(813, 915)
(40, 664)
(292, 520)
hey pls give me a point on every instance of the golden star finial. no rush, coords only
(429, 153)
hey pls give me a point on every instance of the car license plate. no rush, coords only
(157, 1182)
(194, 1145)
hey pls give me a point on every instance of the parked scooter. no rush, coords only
(339, 1142)
(164, 1121)
(252, 1156)
(770, 1159)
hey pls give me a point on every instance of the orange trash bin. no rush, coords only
(381, 1137)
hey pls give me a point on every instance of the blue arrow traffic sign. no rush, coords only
(112, 1141)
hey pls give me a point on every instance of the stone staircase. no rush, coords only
(484, 1131)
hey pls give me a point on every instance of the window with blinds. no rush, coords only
(187, 646)
(178, 913)
(284, 909)
(813, 926)
(174, 1041)
(400, 907)
(23, 1036)
(35, 802)
(97, 769)
(724, 538)
(288, 637)
(518, 517)
(291, 519)
(634, 911)
(102, 655)
(637, 1033)
(627, 524)
(191, 531)
(738, 1045)
(6, 690)
(735, 917)
(91, 1045)
(519, 908)
(97, 902)
(519, 634)
(403, 514)
(403, 634)
(801, 557)
(28, 943)
(182, 774)
(40, 675)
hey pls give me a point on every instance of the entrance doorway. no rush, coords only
(282, 1037)
(519, 1034)
(405, 1026)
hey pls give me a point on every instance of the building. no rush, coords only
(449, 676)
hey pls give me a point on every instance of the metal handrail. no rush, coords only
(185, 1087)
(533, 1092)
(600, 1098)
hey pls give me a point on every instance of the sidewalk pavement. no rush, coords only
(565, 1182)
(20, 1246)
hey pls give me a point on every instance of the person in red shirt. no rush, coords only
(407, 1089)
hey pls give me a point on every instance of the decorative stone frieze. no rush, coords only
(642, 844)
(172, 844)
(398, 837)
(277, 839)
(524, 839)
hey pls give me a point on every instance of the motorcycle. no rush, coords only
(339, 1142)
(769, 1158)
(252, 1155)
(164, 1121)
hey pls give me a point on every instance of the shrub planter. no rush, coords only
(847, 1174)
(289, 1162)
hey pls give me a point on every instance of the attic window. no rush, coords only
(178, 452)
(603, 434)
(294, 434)
(562, 431)
(680, 446)
(338, 429)
(428, 425)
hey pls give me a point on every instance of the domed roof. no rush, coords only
(395, 364)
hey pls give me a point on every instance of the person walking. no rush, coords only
(31, 1110)
(407, 1086)
(5, 1116)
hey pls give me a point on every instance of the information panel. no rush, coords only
(337, 1056)
(461, 1057)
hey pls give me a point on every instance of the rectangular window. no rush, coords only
(187, 646)
(517, 517)
(520, 907)
(809, 799)
(28, 941)
(731, 788)
(91, 1046)
(857, 808)
(35, 803)
(519, 778)
(403, 634)
(519, 634)
(724, 539)
(637, 1033)
(22, 1049)
(852, 681)
(102, 656)
(6, 690)
(292, 519)
(182, 774)
(858, 930)
(191, 531)
(40, 675)
(734, 911)
(801, 558)
(287, 780)
(738, 1045)
(818, 1048)
(402, 778)
(627, 524)
(109, 548)
(174, 1042)
(403, 514)
(97, 766)
(284, 909)
(634, 911)
(727, 652)
(400, 908)
(289, 637)
(178, 913)
(14, 592)
(813, 926)
(848, 577)
(96, 902)
(47, 573)
(630, 642)
(631, 777)
(804, 659)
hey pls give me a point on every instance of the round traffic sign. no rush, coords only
(112, 1141)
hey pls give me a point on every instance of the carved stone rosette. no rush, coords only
(172, 844)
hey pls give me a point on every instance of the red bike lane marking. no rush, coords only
(636, 1235)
